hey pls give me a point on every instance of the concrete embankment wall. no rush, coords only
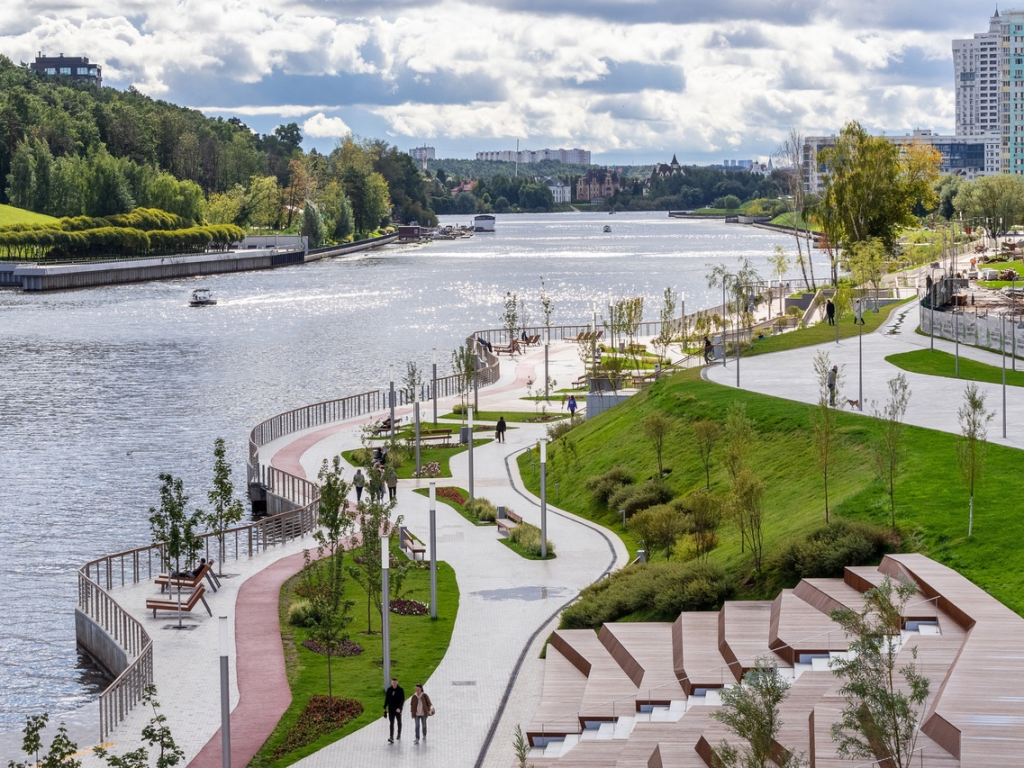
(56, 277)
(100, 645)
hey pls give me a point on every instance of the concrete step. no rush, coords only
(623, 727)
(553, 748)
(606, 732)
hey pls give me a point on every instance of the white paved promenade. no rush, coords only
(934, 400)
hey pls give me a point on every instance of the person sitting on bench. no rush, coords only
(190, 574)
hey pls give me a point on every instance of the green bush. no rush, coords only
(527, 537)
(563, 427)
(656, 591)
(633, 498)
(603, 487)
(301, 614)
(481, 509)
(825, 552)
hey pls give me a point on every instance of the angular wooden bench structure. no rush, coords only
(194, 597)
(508, 522)
(189, 582)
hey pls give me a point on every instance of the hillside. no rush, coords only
(11, 215)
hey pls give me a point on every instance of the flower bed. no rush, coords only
(430, 469)
(448, 493)
(344, 648)
(321, 716)
(409, 608)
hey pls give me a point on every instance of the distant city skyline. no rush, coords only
(632, 82)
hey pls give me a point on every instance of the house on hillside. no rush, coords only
(663, 171)
(560, 191)
(73, 67)
(597, 182)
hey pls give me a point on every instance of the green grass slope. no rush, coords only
(11, 215)
(931, 501)
(937, 363)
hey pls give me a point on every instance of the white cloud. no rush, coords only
(325, 127)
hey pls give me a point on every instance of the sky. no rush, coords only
(633, 81)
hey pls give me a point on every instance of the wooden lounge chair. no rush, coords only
(194, 598)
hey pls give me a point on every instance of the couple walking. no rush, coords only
(419, 705)
(390, 478)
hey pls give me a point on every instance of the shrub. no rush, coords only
(301, 614)
(482, 510)
(527, 538)
(633, 498)
(658, 591)
(603, 487)
(825, 552)
(563, 427)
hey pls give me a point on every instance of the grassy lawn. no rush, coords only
(510, 416)
(931, 501)
(821, 332)
(523, 553)
(790, 219)
(407, 468)
(418, 644)
(457, 507)
(11, 215)
(936, 363)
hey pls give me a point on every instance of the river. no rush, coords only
(105, 388)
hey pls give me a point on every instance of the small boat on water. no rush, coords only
(483, 223)
(201, 297)
(607, 228)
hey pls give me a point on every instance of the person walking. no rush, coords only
(830, 312)
(858, 316)
(499, 429)
(831, 383)
(572, 406)
(391, 478)
(708, 349)
(376, 489)
(420, 708)
(359, 480)
(394, 700)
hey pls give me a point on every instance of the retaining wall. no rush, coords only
(101, 646)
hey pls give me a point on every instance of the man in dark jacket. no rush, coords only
(394, 700)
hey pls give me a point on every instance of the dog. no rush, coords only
(853, 403)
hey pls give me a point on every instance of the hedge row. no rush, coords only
(125, 241)
(144, 219)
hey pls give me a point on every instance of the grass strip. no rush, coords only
(407, 469)
(821, 333)
(518, 417)
(418, 643)
(938, 363)
(523, 553)
(457, 507)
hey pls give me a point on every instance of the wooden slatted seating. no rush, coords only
(743, 633)
(507, 523)
(610, 692)
(697, 661)
(800, 629)
(385, 426)
(509, 349)
(193, 598)
(443, 436)
(413, 547)
(189, 582)
(644, 651)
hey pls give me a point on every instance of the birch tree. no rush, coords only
(890, 442)
(970, 447)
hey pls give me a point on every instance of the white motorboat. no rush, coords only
(201, 297)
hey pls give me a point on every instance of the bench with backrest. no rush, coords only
(190, 582)
(508, 522)
(188, 602)
(410, 545)
(529, 341)
(385, 426)
(443, 436)
(581, 382)
(510, 349)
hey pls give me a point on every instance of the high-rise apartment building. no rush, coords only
(977, 64)
(576, 156)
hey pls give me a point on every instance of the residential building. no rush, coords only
(1011, 108)
(560, 191)
(574, 156)
(422, 154)
(965, 156)
(977, 64)
(73, 67)
(597, 183)
(663, 171)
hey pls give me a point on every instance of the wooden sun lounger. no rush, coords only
(194, 598)
(189, 582)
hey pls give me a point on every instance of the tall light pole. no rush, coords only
(470, 453)
(433, 549)
(725, 356)
(547, 379)
(391, 396)
(225, 695)
(543, 498)
(859, 317)
(416, 419)
(385, 625)
(1002, 345)
(433, 357)
(593, 345)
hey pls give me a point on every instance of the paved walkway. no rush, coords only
(934, 400)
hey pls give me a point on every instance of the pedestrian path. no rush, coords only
(934, 400)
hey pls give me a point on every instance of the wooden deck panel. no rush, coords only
(649, 646)
(794, 712)
(703, 665)
(797, 627)
(862, 577)
(586, 754)
(609, 692)
(828, 595)
(743, 628)
(564, 686)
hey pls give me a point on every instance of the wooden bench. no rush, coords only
(413, 547)
(507, 523)
(385, 426)
(165, 581)
(529, 341)
(196, 596)
(581, 382)
(443, 436)
(511, 349)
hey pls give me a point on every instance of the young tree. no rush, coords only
(705, 435)
(790, 156)
(374, 519)
(464, 368)
(61, 753)
(658, 527)
(511, 316)
(174, 529)
(751, 712)
(657, 427)
(667, 316)
(411, 382)
(705, 513)
(970, 447)
(226, 509)
(824, 419)
(156, 733)
(883, 702)
(547, 306)
(739, 439)
(779, 262)
(748, 510)
(890, 443)
(867, 262)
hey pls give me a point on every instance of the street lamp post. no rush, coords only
(956, 334)
(385, 586)
(543, 498)
(433, 549)
(547, 379)
(416, 419)
(433, 358)
(470, 453)
(739, 344)
(859, 319)
(1002, 345)
(225, 695)
(391, 396)
(725, 326)
(593, 345)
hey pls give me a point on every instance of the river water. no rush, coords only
(103, 389)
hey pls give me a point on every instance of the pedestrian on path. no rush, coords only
(420, 708)
(376, 485)
(359, 480)
(858, 315)
(572, 406)
(830, 311)
(831, 382)
(394, 700)
(499, 430)
(708, 349)
(563, 401)
(391, 478)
